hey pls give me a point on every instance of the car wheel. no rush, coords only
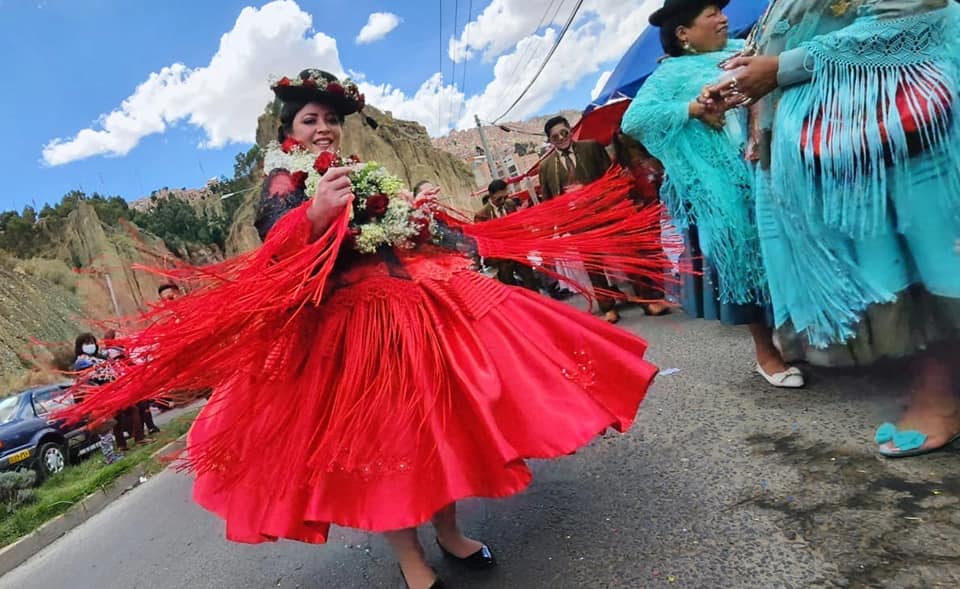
(51, 459)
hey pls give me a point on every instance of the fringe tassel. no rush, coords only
(814, 281)
(383, 377)
(597, 225)
(865, 113)
(199, 340)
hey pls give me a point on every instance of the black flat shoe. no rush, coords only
(437, 583)
(479, 560)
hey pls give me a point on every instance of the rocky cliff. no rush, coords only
(105, 256)
(40, 315)
(88, 277)
(403, 147)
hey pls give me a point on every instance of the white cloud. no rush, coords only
(601, 82)
(601, 33)
(378, 26)
(223, 98)
(500, 26)
(431, 106)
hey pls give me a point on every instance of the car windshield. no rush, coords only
(8, 409)
(48, 401)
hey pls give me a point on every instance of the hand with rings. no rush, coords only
(755, 77)
(334, 193)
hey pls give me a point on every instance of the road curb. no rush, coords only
(15, 554)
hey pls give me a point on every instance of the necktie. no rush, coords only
(571, 169)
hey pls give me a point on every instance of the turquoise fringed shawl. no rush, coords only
(708, 183)
(855, 71)
(813, 208)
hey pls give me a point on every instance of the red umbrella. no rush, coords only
(600, 123)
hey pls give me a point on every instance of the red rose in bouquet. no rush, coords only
(289, 144)
(423, 232)
(377, 205)
(299, 178)
(284, 81)
(323, 162)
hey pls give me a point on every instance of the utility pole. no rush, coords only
(486, 150)
(113, 295)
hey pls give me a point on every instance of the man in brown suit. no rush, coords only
(570, 165)
(497, 204)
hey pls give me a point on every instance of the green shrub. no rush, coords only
(16, 488)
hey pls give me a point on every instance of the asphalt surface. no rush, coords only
(723, 482)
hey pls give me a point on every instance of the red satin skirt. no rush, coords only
(401, 394)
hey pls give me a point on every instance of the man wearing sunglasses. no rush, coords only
(570, 165)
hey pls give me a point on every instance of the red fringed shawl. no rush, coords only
(206, 338)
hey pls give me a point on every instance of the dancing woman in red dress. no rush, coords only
(367, 377)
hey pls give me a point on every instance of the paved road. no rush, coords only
(723, 483)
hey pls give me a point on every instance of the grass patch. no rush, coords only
(59, 493)
(54, 271)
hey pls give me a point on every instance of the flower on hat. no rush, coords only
(345, 88)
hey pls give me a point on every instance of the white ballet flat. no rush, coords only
(791, 378)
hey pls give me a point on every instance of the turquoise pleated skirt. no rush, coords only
(915, 264)
(700, 294)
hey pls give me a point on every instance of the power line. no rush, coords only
(528, 53)
(453, 61)
(440, 69)
(463, 72)
(546, 60)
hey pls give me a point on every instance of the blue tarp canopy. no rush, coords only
(641, 59)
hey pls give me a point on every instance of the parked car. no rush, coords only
(30, 438)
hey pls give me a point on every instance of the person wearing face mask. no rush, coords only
(95, 370)
(708, 186)
(376, 386)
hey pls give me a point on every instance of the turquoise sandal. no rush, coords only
(905, 443)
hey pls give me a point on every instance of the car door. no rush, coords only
(46, 403)
(16, 432)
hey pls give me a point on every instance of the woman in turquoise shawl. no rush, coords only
(858, 198)
(708, 186)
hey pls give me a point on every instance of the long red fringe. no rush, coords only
(597, 225)
(231, 329)
(202, 339)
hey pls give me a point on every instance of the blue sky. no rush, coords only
(71, 62)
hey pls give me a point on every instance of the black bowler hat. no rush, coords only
(672, 8)
(313, 84)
